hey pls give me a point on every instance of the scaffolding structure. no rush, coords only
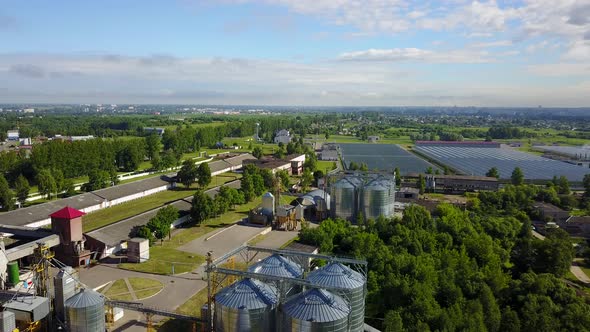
(216, 267)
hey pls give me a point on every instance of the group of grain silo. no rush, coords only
(80, 310)
(263, 304)
(369, 195)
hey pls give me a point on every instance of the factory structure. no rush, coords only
(369, 195)
(279, 293)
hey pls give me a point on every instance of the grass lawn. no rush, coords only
(119, 291)
(324, 165)
(163, 258)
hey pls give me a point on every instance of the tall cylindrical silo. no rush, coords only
(316, 310)
(344, 200)
(351, 285)
(247, 305)
(65, 287)
(85, 312)
(268, 204)
(375, 200)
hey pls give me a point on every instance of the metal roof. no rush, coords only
(317, 305)
(247, 294)
(85, 298)
(314, 197)
(277, 265)
(336, 275)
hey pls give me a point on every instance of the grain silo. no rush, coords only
(65, 283)
(344, 200)
(268, 204)
(85, 312)
(316, 310)
(247, 305)
(277, 266)
(375, 200)
(350, 284)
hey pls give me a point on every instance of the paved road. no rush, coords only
(579, 273)
(225, 240)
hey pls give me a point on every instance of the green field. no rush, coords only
(163, 258)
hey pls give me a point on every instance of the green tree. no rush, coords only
(563, 186)
(146, 233)
(152, 145)
(364, 167)
(187, 173)
(586, 183)
(306, 179)
(69, 188)
(22, 187)
(202, 207)
(284, 178)
(46, 183)
(203, 175)
(421, 184)
(161, 223)
(327, 135)
(555, 254)
(517, 177)
(429, 170)
(257, 152)
(58, 176)
(398, 177)
(493, 173)
(353, 166)
(6, 195)
(97, 179)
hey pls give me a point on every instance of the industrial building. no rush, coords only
(291, 163)
(369, 195)
(282, 136)
(278, 293)
(455, 183)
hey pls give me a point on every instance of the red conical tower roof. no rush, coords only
(67, 213)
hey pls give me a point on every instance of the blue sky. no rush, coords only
(297, 52)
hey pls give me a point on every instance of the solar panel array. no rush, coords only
(577, 153)
(385, 157)
(478, 161)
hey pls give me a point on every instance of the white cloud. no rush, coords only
(497, 43)
(418, 55)
(578, 51)
(560, 69)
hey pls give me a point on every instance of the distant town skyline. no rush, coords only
(297, 52)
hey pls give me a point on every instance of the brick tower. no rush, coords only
(67, 223)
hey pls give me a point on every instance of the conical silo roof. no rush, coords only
(278, 266)
(336, 275)
(85, 298)
(317, 305)
(247, 294)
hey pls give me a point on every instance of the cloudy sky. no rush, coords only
(297, 52)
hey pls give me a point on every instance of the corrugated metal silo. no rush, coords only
(375, 200)
(85, 312)
(268, 204)
(278, 266)
(316, 310)
(344, 199)
(351, 284)
(247, 305)
(65, 287)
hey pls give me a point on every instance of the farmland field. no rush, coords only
(478, 160)
(384, 157)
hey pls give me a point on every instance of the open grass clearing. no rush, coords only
(165, 260)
